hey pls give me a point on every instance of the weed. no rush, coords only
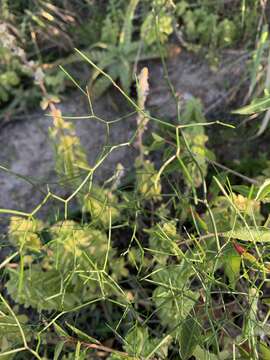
(170, 263)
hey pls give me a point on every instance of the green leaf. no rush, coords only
(58, 350)
(258, 105)
(264, 351)
(24, 233)
(42, 290)
(241, 189)
(77, 351)
(82, 335)
(126, 33)
(232, 266)
(157, 137)
(201, 354)
(59, 331)
(163, 237)
(189, 337)
(139, 344)
(10, 333)
(136, 339)
(258, 59)
(264, 190)
(252, 234)
(251, 316)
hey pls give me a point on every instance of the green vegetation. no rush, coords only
(39, 35)
(169, 260)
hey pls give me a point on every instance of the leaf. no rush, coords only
(157, 346)
(252, 234)
(58, 349)
(189, 337)
(172, 298)
(136, 339)
(251, 259)
(59, 331)
(157, 137)
(77, 351)
(251, 316)
(102, 205)
(101, 84)
(241, 189)
(125, 75)
(82, 335)
(9, 329)
(163, 237)
(264, 190)
(148, 184)
(201, 354)
(138, 343)
(258, 105)
(264, 351)
(126, 33)
(232, 266)
(42, 290)
(24, 233)
(257, 59)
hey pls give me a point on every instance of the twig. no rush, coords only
(246, 178)
(93, 346)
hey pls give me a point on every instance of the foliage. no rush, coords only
(9, 331)
(68, 152)
(158, 24)
(170, 261)
(158, 279)
(207, 28)
(116, 52)
(56, 283)
(34, 35)
(114, 34)
(202, 23)
(13, 64)
(120, 52)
